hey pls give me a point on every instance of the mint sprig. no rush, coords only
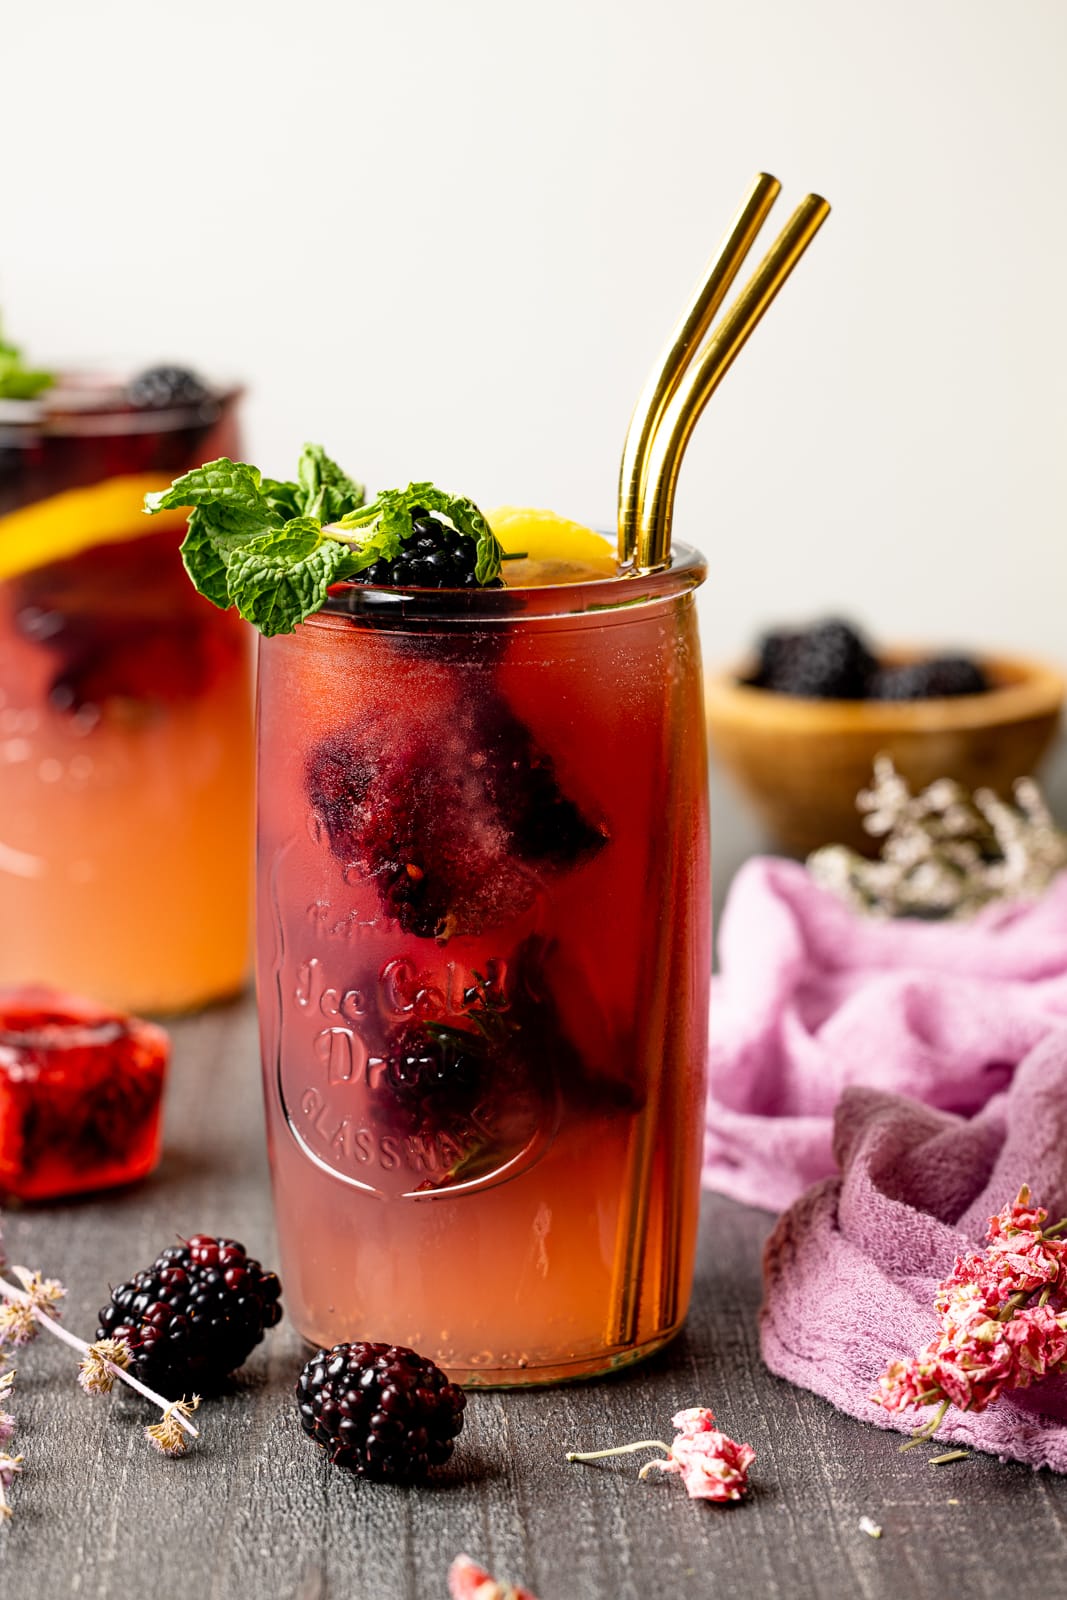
(272, 548)
(18, 381)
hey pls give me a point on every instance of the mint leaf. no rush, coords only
(233, 491)
(382, 527)
(17, 381)
(284, 498)
(328, 492)
(281, 578)
(204, 560)
(230, 506)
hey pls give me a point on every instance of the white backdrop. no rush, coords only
(448, 238)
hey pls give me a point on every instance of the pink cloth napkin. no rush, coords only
(813, 998)
(850, 1269)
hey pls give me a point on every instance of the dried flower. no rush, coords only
(1002, 1321)
(96, 1372)
(468, 1581)
(42, 1293)
(18, 1320)
(18, 1325)
(168, 1435)
(711, 1465)
(944, 853)
(29, 1306)
(10, 1467)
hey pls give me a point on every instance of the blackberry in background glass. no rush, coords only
(380, 1410)
(159, 388)
(940, 678)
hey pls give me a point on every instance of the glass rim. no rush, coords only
(357, 602)
(92, 406)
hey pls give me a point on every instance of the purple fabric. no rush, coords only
(813, 998)
(850, 1269)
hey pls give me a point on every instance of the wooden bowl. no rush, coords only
(801, 762)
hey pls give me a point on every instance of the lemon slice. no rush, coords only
(555, 549)
(65, 524)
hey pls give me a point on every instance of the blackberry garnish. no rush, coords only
(158, 388)
(829, 661)
(194, 1316)
(380, 1410)
(929, 680)
(435, 557)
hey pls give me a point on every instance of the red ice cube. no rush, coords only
(81, 1091)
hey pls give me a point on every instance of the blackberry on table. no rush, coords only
(829, 661)
(195, 1315)
(158, 388)
(435, 557)
(380, 1410)
(939, 678)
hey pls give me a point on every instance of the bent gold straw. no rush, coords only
(701, 377)
(689, 330)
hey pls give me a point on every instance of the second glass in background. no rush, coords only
(125, 709)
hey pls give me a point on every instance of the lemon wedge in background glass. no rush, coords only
(77, 519)
(553, 549)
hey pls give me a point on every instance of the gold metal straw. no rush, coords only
(702, 377)
(690, 329)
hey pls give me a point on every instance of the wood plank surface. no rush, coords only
(255, 1509)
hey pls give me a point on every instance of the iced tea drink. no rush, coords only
(483, 967)
(125, 708)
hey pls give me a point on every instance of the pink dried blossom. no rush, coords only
(711, 1465)
(698, 1419)
(1038, 1336)
(975, 1371)
(468, 1581)
(989, 1338)
(904, 1384)
(1019, 1217)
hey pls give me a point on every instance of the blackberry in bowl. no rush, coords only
(799, 725)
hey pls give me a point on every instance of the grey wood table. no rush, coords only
(256, 1509)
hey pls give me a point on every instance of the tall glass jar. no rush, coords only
(125, 711)
(483, 965)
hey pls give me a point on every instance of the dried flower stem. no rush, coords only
(168, 1407)
(619, 1450)
(929, 1429)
